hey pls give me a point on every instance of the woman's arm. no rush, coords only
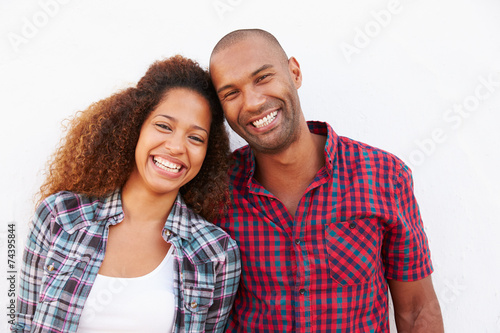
(227, 282)
(32, 269)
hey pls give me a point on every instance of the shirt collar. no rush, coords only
(322, 128)
(77, 211)
(111, 206)
(181, 219)
(316, 127)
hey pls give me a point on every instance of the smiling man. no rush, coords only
(325, 224)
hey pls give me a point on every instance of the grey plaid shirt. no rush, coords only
(65, 249)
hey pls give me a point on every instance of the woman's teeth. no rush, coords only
(166, 165)
(266, 120)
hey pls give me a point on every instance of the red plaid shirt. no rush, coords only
(326, 268)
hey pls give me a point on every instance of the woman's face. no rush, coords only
(173, 142)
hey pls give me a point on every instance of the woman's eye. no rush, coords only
(164, 126)
(197, 139)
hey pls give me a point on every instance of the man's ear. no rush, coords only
(295, 72)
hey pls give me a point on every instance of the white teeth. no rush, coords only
(166, 165)
(266, 120)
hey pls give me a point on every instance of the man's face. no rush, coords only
(257, 87)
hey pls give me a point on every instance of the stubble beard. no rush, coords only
(287, 137)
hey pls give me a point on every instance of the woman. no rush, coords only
(121, 241)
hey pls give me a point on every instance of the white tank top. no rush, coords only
(140, 304)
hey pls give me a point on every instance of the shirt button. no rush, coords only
(297, 241)
(194, 305)
(352, 225)
(50, 267)
(302, 291)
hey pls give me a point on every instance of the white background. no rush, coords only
(394, 74)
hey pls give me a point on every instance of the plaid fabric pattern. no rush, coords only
(326, 268)
(65, 249)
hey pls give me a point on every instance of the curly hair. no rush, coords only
(97, 154)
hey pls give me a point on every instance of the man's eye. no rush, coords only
(229, 94)
(265, 76)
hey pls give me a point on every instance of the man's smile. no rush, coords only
(265, 120)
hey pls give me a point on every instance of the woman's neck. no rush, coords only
(142, 207)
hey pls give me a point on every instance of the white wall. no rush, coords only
(405, 76)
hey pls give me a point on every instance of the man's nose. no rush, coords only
(253, 100)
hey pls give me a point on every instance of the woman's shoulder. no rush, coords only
(209, 241)
(65, 201)
(206, 229)
(69, 209)
(186, 222)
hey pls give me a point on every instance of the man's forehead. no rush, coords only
(248, 39)
(232, 67)
(249, 50)
(247, 44)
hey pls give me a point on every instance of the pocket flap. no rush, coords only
(57, 272)
(198, 299)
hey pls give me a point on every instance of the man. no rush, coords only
(324, 223)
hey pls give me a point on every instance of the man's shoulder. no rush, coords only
(242, 161)
(357, 151)
(242, 154)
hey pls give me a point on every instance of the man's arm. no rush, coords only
(416, 307)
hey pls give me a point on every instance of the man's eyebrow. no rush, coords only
(257, 71)
(262, 68)
(224, 88)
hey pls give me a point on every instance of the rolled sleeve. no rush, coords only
(406, 249)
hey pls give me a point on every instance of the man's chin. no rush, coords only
(270, 147)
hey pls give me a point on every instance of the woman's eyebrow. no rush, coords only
(176, 121)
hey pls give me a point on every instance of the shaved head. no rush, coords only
(257, 86)
(237, 36)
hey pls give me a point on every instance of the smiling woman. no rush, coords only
(126, 201)
(173, 142)
(97, 154)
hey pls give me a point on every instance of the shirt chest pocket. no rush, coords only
(353, 250)
(59, 279)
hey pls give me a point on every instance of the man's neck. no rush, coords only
(288, 174)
